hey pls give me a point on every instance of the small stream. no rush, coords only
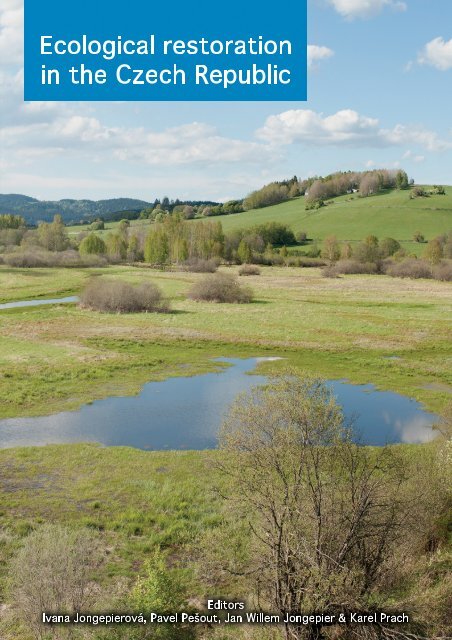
(37, 303)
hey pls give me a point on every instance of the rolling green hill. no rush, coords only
(352, 218)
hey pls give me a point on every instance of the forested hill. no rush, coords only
(73, 211)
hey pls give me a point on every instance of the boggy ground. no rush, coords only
(368, 329)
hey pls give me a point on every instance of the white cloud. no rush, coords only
(409, 155)
(11, 32)
(344, 128)
(437, 53)
(316, 54)
(194, 143)
(365, 8)
(304, 125)
(415, 134)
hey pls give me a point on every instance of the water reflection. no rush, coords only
(185, 413)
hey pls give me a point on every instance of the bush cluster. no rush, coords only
(354, 267)
(114, 296)
(39, 258)
(220, 287)
(408, 268)
(412, 268)
(249, 270)
(201, 265)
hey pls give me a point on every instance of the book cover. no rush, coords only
(225, 320)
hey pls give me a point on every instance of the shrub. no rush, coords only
(249, 270)
(434, 251)
(71, 258)
(97, 225)
(418, 192)
(418, 237)
(92, 245)
(27, 259)
(160, 589)
(244, 252)
(367, 251)
(314, 204)
(301, 237)
(409, 268)
(273, 259)
(331, 250)
(388, 247)
(330, 271)
(35, 259)
(220, 287)
(443, 272)
(272, 193)
(303, 261)
(313, 251)
(274, 233)
(199, 265)
(114, 296)
(353, 266)
(53, 572)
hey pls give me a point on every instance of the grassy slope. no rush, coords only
(349, 218)
(54, 358)
(392, 214)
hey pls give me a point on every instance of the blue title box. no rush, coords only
(176, 51)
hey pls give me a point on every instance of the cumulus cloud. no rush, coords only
(193, 143)
(31, 131)
(437, 53)
(346, 128)
(304, 125)
(316, 54)
(365, 8)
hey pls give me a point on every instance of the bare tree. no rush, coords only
(53, 573)
(325, 514)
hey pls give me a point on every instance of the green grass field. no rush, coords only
(352, 218)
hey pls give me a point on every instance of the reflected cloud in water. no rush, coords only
(186, 413)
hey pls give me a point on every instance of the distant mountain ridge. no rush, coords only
(72, 211)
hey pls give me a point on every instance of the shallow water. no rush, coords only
(186, 413)
(37, 303)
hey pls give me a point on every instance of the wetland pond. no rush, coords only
(186, 413)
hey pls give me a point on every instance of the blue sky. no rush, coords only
(379, 96)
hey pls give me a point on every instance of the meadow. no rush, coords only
(350, 217)
(61, 356)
